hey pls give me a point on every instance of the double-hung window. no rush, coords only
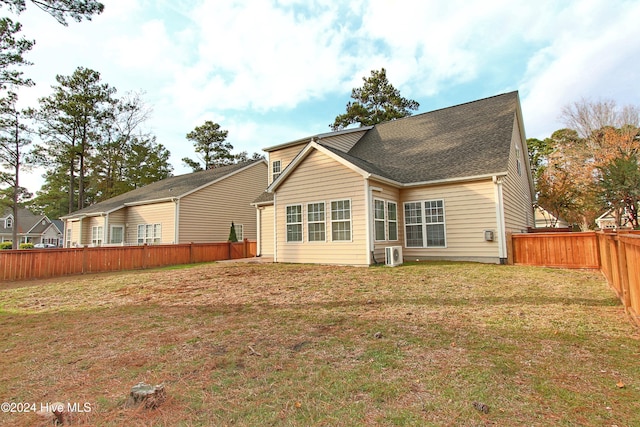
(413, 224)
(149, 233)
(392, 220)
(385, 217)
(294, 223)
(316, 222)
(276, 169)
(425, 224)
(96, 235)
(239, 231)
(379, 219)
(341, 220)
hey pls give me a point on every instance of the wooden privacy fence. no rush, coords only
(566, 250)
(617, 255)
(620, 256)
(46, 263)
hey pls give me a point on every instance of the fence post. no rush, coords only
(623, 272)
(85, 256)
(144, 256)
(191, 253)
(245, 248)
(510, 248)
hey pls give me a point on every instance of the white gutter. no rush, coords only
(149, 202)
(499, 202)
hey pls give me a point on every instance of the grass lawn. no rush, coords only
(300, 345)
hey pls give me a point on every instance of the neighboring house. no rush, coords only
(198, 207)
(545, 219)
(447, 184)
(31, 228)
(607, 221)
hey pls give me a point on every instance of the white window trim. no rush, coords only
(286, 223)
(97, 235)
(424, 224)
(8, 223)
(350, 220)
(274, 174)
(518, 162)
(239, 234)
(309, 222)
(378, 220)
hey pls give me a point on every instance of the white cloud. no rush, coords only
(239, 62)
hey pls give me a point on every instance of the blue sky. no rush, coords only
(272, 71)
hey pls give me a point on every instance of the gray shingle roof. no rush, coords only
(176, 186)
(26, 220)
(466, 140)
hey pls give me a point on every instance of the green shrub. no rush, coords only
(6, 245)
(26, 245)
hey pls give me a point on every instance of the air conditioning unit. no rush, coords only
(393, 255)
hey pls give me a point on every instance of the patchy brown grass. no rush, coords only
(246, 344)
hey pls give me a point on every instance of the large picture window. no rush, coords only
(425, 224)
(294, 223)
(341, 220)
(316, 222)
(117, 234)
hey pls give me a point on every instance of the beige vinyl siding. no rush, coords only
(343, 142)
(319, 178)
(157, 213)
(266, 230)
(206, 214)
(87, 226)
(115, 218)
(518, 200)
(285, 155)
(391, 194)
(469, 209)
(76, 231)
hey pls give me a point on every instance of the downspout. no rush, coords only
(275, 228)
(106, 235)
(370, 248)
(502, 237)
(176, 229)
(259, 231)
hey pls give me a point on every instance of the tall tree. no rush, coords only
(59, 9)
(211, 147)
(14, 140)
(590, 163)
(71, 121)
(12, 50)
(620, 187)
(376, 101)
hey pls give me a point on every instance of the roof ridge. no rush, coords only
(449, 107)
